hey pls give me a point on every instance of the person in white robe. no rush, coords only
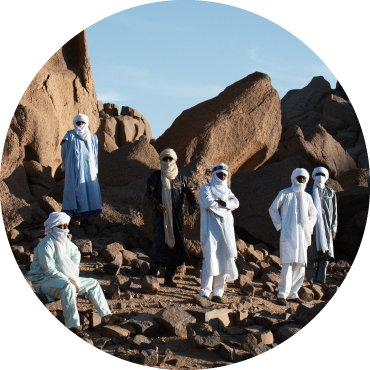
(217, 235)
(294, 214)
(55, 272)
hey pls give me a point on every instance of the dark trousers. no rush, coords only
(169, 273)
(316, 270)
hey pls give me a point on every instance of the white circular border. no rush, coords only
(32, 31)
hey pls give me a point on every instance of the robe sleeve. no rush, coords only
(334, 223)
(75, 253)
(150, 185)
(312, 212)
(232, 203)
(47, 262)
(209, 203)
(64, 149)
(274, 210)
(95, 138)
(190, 194)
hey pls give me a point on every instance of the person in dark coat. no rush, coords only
(165, 190)
(321, 249)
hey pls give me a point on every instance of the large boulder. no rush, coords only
(308, 98)
(63, 87)
(132, 125)
(319, 149)
(125, 128)
(241, 126)
(256, 190)
(38, 174)
(353, 206)
(353, 178)
(135, 161)
(13, 153)
(15, 210)
(337, 107)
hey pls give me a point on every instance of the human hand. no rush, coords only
(161, 208)
(74, 283)
(191, 210)
(219, 201)
(334, 234)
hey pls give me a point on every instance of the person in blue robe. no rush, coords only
(81, 197)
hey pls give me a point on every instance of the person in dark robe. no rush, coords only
(166, 189)
(321, 250)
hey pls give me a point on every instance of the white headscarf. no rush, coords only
(299, 189)
(169, 172)
(67, 266)
(219, 187)
(83, 133)
(321, 242)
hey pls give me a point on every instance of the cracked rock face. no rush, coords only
(63, 87)
(241, 127)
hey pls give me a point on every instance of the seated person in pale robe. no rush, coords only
(55, 272)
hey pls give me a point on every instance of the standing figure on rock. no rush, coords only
(55, 272)
(81, 197)
(321, 249)
(217, 235)
(165, 190)
(295, 221)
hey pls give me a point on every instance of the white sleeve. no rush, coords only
(274, 210)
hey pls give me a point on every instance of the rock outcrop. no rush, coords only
(319, 149)
(63, 87)
(129, 163)
(241, 127)
(125, 128)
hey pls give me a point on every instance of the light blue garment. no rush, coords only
(81, 188)
(48, 280)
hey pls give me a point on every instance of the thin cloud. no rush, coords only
(110, 96)
(144, 79)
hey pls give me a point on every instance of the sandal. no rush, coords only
(217, 299)
(282, 301)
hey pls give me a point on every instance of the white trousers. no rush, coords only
(66, 291)
(212, 284)
(291, 280)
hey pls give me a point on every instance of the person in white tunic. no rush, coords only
(55, 272)
(295, 221)
(217, 235)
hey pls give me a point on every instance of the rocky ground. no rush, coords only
(168, 327)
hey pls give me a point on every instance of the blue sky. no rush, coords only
(166, 57)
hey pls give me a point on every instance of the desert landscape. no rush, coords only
(261, 137)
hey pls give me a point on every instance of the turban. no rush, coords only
(168, 153)
(300, 172)
(322, 170)
(221, 167)
(81, 118)
(56, 219)
(219, 187)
